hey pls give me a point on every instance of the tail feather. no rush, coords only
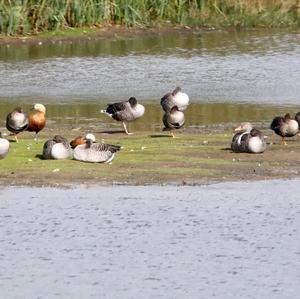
(105, 112)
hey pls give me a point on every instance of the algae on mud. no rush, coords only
(151, 158)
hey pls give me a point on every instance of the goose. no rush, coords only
(127, 111)
(175, 98)
(4, 146)
(36, 119)
(95, 152)
(297, 118)
(56, 148)
(248, 140)
(16, 122)
(173, 119)
(82, 140)
(285, 127)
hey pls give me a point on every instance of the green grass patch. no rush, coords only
(149, 159)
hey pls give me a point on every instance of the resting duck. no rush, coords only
(297, 118)
(95, 152)
(285, 126)
(16, 122)
(125, 111)
(36, 119)
(57, 148)
(82, 140)
(248, 140)
(173, 119)
(4, 146)
(175, 98)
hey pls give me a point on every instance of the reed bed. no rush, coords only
(32, 16)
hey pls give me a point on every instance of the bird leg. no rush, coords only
(35, 137)
(124, 125)
(283, 141)
(16, 138)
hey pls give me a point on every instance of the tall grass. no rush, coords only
(30, 16)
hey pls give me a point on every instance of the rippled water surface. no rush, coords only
(232, 240)
(251, 66)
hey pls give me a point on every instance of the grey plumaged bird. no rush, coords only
(173, 119)
(95, 152)
(125, 112)
(175, 98)
(4, 147)
(17, 121)
(57, 148)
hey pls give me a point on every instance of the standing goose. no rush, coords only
(95, 152)
(37, 119)
(4, 146)
(173, 119)
(125, 111)
(175, 98)
(17, 121)
(248, 140)
(284, 127)
(57, 148)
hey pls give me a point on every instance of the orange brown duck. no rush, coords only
(37, 119)
(82, 140)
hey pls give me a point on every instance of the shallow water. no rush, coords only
(221, 66)
(213, 116)
(231, 240)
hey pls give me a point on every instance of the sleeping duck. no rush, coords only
(175, 98)
(37, 119)
(4, 146)
(95, 152)
(248, 140)
(16, 122)
(127, 111)
(173, 119)
(285, 127)
(57, 148)
(82, 140)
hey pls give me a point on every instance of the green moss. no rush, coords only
(145, 159)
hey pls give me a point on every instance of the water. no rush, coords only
(252, 66)
(230, 77)
(231, 240)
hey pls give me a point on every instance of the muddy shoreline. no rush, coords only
(147, 158)
(103, 32)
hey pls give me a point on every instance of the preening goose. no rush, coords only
(57, 148)
(248, 140)
(16, 122)
(175, 98)
(4, 146)
(285, 127)
(173, 119)
(127, 111)
(95, 152)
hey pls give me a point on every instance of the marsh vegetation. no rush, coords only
(32, 16)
